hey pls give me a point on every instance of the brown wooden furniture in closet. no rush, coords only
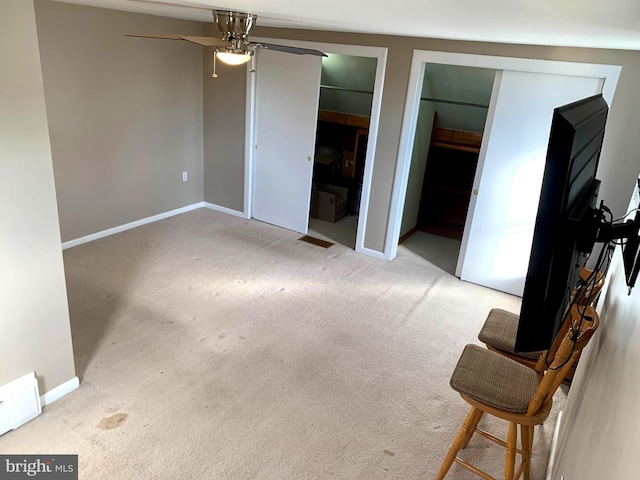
(347, 134)
(448, 181)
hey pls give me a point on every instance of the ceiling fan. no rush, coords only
(234, 47)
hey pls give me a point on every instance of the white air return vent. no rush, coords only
(19, 402)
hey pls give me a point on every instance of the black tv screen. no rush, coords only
(569, 191)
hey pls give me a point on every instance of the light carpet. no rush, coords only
(211, 347)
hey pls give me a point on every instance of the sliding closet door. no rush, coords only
(508, 184)
(287, 91)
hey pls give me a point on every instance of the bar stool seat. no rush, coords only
(494, 379)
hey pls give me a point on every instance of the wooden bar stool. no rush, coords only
(494, 384)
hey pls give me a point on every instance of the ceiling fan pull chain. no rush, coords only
(253, 64)
(214, 75)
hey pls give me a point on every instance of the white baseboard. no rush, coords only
(372, 253)
(59, 392)
(229, 211)
(554, 446)
(129, 226)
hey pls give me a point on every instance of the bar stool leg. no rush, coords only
(473, 427)
(462, 438)
(510, 462)
(526, 449)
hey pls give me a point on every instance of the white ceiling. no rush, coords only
(579, 23)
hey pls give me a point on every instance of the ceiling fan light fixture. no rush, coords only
(233, 58)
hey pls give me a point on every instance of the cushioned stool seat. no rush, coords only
(494, 380)
(499, 331)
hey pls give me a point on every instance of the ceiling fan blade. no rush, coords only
(163, 36)
(206, 41)
(287, 49)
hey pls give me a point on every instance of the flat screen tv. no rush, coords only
(567, 199)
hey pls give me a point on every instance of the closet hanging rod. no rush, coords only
(453, 102)
(426, 99)
(343, 89)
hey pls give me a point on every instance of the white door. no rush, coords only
(286, 112)
(495, 252)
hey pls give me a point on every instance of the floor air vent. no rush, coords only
(316, 241)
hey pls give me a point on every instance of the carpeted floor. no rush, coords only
(211, 347)
(343, 231)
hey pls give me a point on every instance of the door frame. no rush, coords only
(610, 74)
(380, 53)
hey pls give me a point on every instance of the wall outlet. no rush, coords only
(185, 176)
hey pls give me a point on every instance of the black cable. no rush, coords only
(628, 213)
(593, 276)
(583, 287)
(586, 287)
(606, 209)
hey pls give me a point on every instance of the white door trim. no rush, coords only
(249, 141)
(610, 73)
(380, 53)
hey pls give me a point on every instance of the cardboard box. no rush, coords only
(328, 206)
(340, 192)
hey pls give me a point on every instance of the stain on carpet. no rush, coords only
(316, 241)
(114, 421)
(388, 452)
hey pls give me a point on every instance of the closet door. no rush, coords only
(286, 112)
(508, 183)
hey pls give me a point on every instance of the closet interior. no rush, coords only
(346, 95)
(451, 120)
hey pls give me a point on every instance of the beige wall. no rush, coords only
(35, 333)
(224, 126)
(619, 165)
(599, 436)
(125, 115)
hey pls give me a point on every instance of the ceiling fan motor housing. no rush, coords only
(234, 25)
